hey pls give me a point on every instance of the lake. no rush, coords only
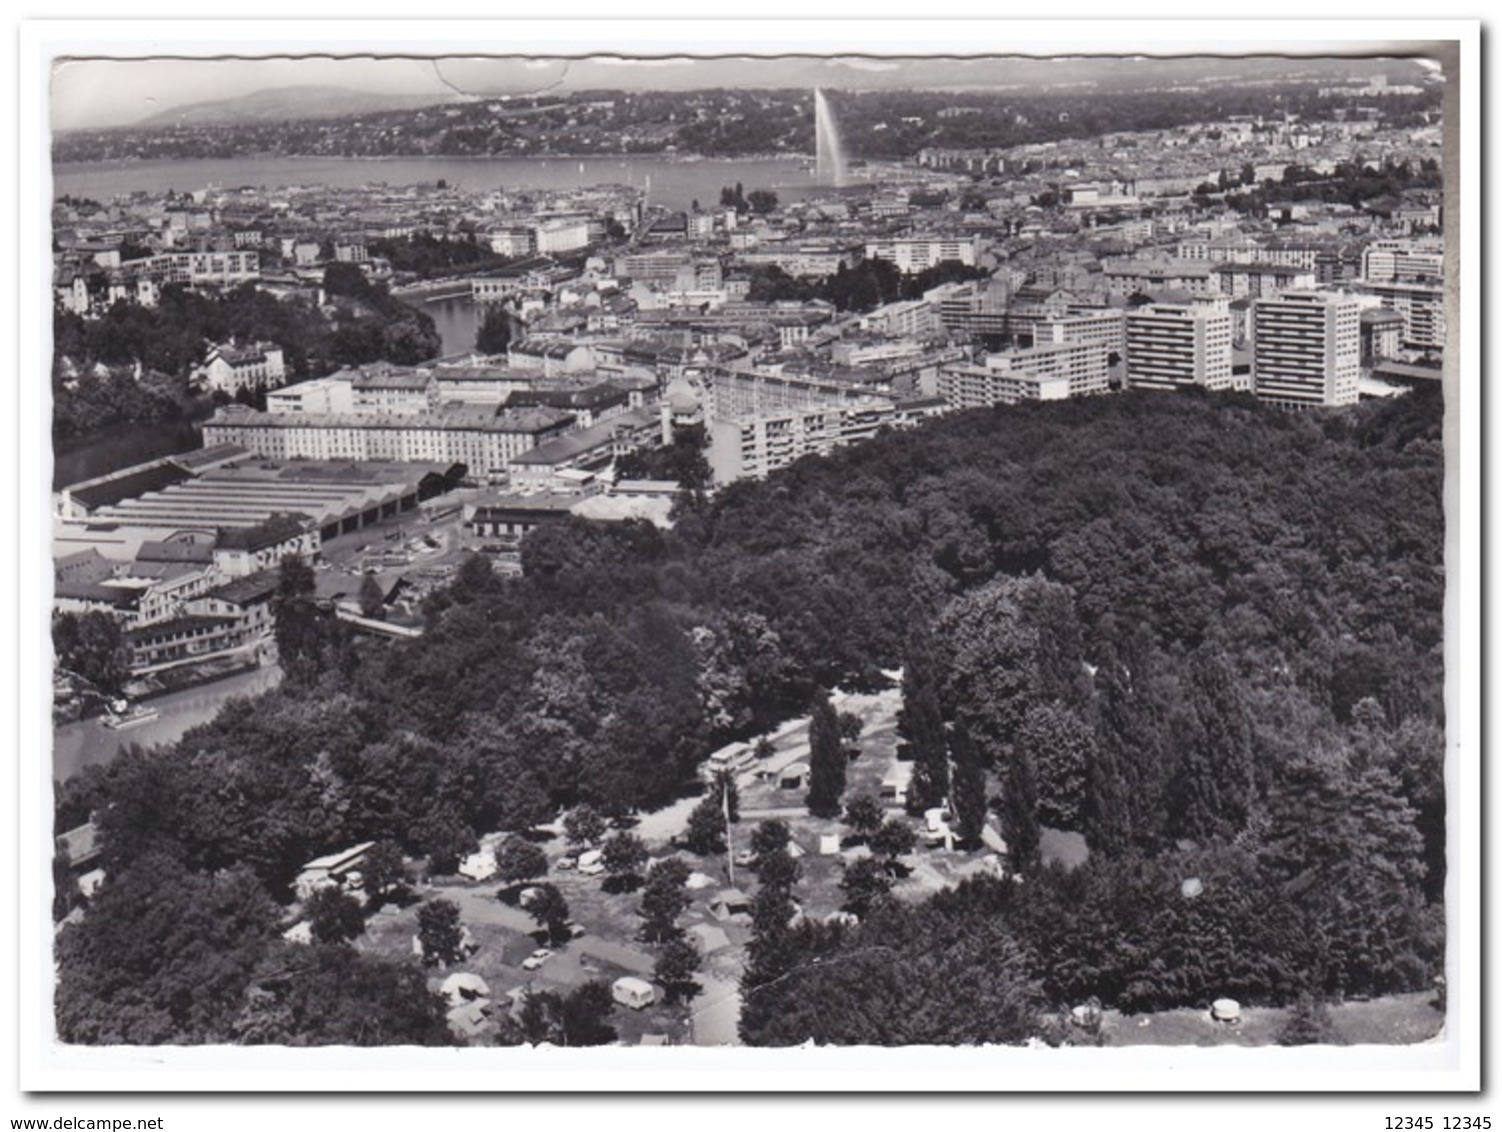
(674, 183)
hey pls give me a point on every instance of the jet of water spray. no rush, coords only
(829, 158)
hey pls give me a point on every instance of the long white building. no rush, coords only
(1404, 260)
(965, 386)
(913, 254)
(1086, 365)
(479, 437)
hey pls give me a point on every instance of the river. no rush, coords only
(88, 741)
(673, 183)
(119, 446)
(456, 318)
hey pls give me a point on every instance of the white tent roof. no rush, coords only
(465, 981)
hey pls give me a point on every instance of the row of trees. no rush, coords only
(867, 285)
(425, 256)
(1378, 187)
(167, 341)
(758, 201)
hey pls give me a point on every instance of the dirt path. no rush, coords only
(717, 1013)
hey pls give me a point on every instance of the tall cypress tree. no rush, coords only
(1212, 787)
(1107, 822)
(1130, 749)
(968, 786)
(826, 760)
(921, 724)
(1020, 809)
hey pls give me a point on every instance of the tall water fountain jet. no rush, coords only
(829, 158)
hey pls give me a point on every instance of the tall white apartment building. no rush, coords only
(1175, 345)
(1306, 349)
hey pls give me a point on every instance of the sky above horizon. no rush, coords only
(97, 93)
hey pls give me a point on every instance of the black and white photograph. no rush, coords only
(864, 551)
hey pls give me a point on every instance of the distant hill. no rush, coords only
(287, 103)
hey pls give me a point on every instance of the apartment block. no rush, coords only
(1403, 261)
(1086, 365)
(964, 386)
(913, 254)
(1103, 328)
(757, 445)
(1177, 345)
(1421, 305)
(1306, 349)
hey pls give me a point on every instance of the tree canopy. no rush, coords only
(1226, 619)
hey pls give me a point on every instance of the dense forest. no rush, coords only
(93, 384)
(888, 124)
(1203, 633)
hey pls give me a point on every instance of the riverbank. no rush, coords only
(89, 743)
(432, 290)
(671, 180)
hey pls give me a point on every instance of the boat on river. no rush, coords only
(122, 716)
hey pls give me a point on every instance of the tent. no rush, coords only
(470, 1020)
(708, 938)
(462, 987)
(478, 866)
(731, 904)
(793, 777)
(992, 840)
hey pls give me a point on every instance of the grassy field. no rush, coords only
(1403, 1019)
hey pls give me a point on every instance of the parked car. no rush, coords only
(565, 864)
(537, 958)
(592, 863)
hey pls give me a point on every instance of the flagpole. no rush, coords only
(729, 847)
